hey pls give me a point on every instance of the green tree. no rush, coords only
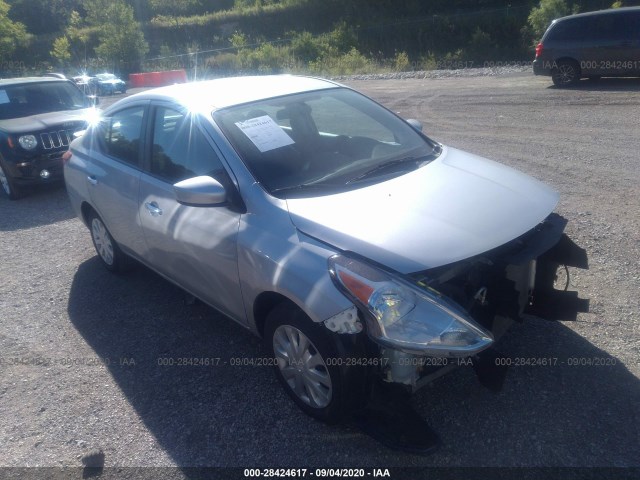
(121, 42)
(12, 34)
(175, 8)
(541, 16)
(60, 50)
(78, 36)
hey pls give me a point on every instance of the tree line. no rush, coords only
(321, 36)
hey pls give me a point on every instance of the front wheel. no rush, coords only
(566, 73)
(313, 365)
(8, 185)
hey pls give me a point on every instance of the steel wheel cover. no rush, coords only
(102, 241)
(302, 366)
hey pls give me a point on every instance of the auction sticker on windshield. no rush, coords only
(265, 133)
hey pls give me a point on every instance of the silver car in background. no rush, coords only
(359, 249)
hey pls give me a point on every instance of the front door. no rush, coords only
(194, 246)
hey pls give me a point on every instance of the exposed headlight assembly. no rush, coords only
(406, 317)
(28, 142)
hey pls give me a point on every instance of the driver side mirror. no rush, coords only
(416, 124)
(200, 191)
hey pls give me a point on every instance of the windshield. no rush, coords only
(105, 76)
(322, 141)
(28, 99)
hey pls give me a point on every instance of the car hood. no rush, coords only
(113, 81)
(43, 121)
(455, 207)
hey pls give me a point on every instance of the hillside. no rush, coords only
(320, 36)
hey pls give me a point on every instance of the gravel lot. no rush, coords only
(90, 345)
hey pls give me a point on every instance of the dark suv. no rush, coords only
(598, 44)
(38, 118)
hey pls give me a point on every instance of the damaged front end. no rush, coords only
(497, 288)
(429, 322)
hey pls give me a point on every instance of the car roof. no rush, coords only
(23, 80)
(220, 93)
(599, 12)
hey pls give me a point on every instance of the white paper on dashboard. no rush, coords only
(265, 133)
(4, 98)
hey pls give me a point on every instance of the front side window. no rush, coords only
(179, 149)
(121, 135)
(322, 141)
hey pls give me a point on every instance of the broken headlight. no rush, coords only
(406, 317)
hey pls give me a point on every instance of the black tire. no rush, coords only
(566, 73)
(8, 186)
(328, 388)
(106, 247)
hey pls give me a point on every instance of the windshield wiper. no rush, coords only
(302, 186)
(388, 165)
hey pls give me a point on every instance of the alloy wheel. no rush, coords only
(4, 181)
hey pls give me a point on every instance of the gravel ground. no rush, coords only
(81, 350)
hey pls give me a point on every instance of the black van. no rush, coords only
(605, 43)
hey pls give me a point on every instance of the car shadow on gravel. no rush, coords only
(609, 84)
(187, 371)
(42, 205)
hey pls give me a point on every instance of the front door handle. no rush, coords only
(153, 208)
(92, 180)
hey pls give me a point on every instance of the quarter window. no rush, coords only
(179, 149)
(568, 30)
(122, 134)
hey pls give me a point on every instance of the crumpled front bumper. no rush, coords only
(496, 289)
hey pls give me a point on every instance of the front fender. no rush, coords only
(282, 260)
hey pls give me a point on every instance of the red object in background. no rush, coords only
(157, 79)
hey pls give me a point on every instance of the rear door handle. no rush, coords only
(92, 180)
(153, 208)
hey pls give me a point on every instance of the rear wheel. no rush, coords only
(107, 249)
(312, 366)
(8, 185)
(566, 73)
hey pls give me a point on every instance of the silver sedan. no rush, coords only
(362, 251)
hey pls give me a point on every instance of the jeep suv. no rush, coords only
(38, 119)
(598, 44)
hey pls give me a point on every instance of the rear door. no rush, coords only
(193, 246)
(114, 174)
(611, 44)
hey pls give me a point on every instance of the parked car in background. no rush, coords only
(359, 249)
(38, 118)
(108, 84)
(83, 82)
(598, 44)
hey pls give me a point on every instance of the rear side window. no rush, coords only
(122, 133)
(567, 31)
(179, 149)
(607, 28)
